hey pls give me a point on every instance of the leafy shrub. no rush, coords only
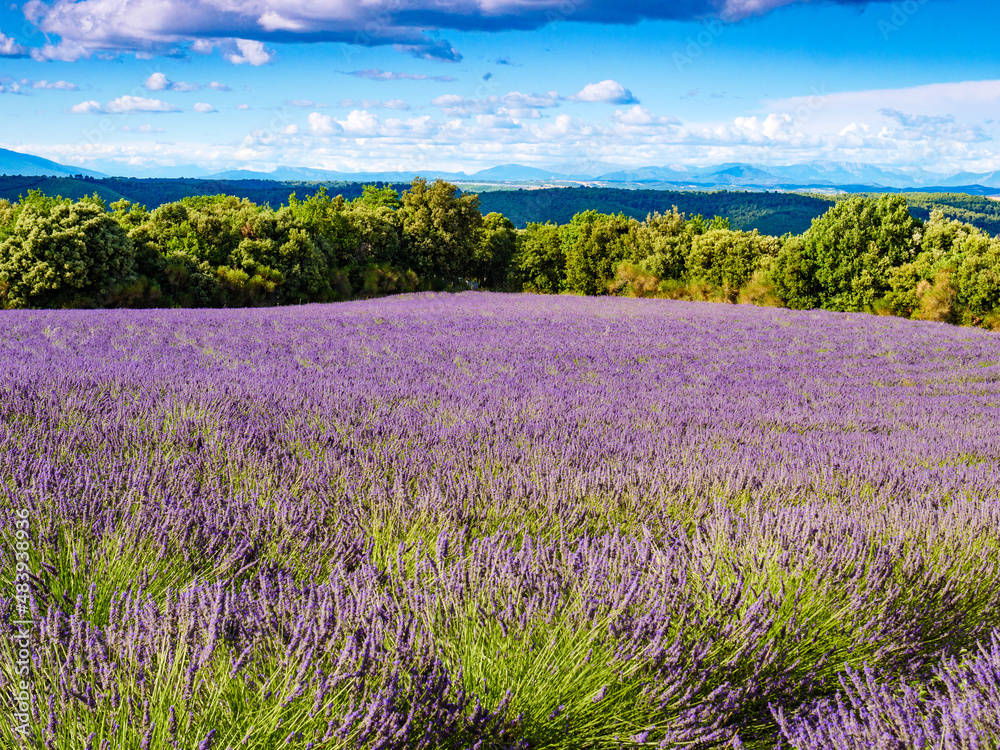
(792, 274)
(58, 253)
(594, 245)
(728, 259)
(853, 246)
(539, 263)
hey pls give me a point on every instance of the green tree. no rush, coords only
(728, 259)
(495, 250)
(59, 253)
(375, 196)
(376, 235)
(855, 244)
(926, 287)
(977, 277)
(792, 274)
(594, 245)
(440, 229)
(539, 263)
(663, 242)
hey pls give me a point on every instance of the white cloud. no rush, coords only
(360, 123)
(216, 86)
(242, 106)
(322, 124)
(305, 104)
(530, 129)
(377, 74)
(144, 128)
(513, 104)
(640, 117)
(204, 107)
(608, 91)
(86, 108)
(373, 104)
(159, 82)
(500, 120)
(123, 104)
(139, 104)
(454, 105)
(965, 100)
(250, 52)
(10, 48)
(50, 85)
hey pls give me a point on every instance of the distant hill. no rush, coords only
(16, 163)
(772, 213)
(157, 191)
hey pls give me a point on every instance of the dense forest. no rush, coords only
(769, 213)
(865, 253)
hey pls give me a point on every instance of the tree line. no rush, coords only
(866, 253)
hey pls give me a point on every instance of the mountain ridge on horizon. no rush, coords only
(729, 175)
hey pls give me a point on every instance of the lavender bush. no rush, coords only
(483, 521)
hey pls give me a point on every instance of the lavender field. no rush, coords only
(498, 521)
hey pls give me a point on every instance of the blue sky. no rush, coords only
(124, 86)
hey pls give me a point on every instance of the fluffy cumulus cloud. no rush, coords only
(159, 82)
(608, 91)
(86, 108)
(10, 48)
(86, 27)
(139, 104)
(640, 117)
(204, 108)
(250, 52)
(320, 124)
(917, 127)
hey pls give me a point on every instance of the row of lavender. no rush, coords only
(500, 522)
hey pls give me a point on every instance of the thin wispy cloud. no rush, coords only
(373, 104)
(123, 104)
(144, 128)
(376, 74)
(50, 85)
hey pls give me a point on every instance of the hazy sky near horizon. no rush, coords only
(459, 85)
